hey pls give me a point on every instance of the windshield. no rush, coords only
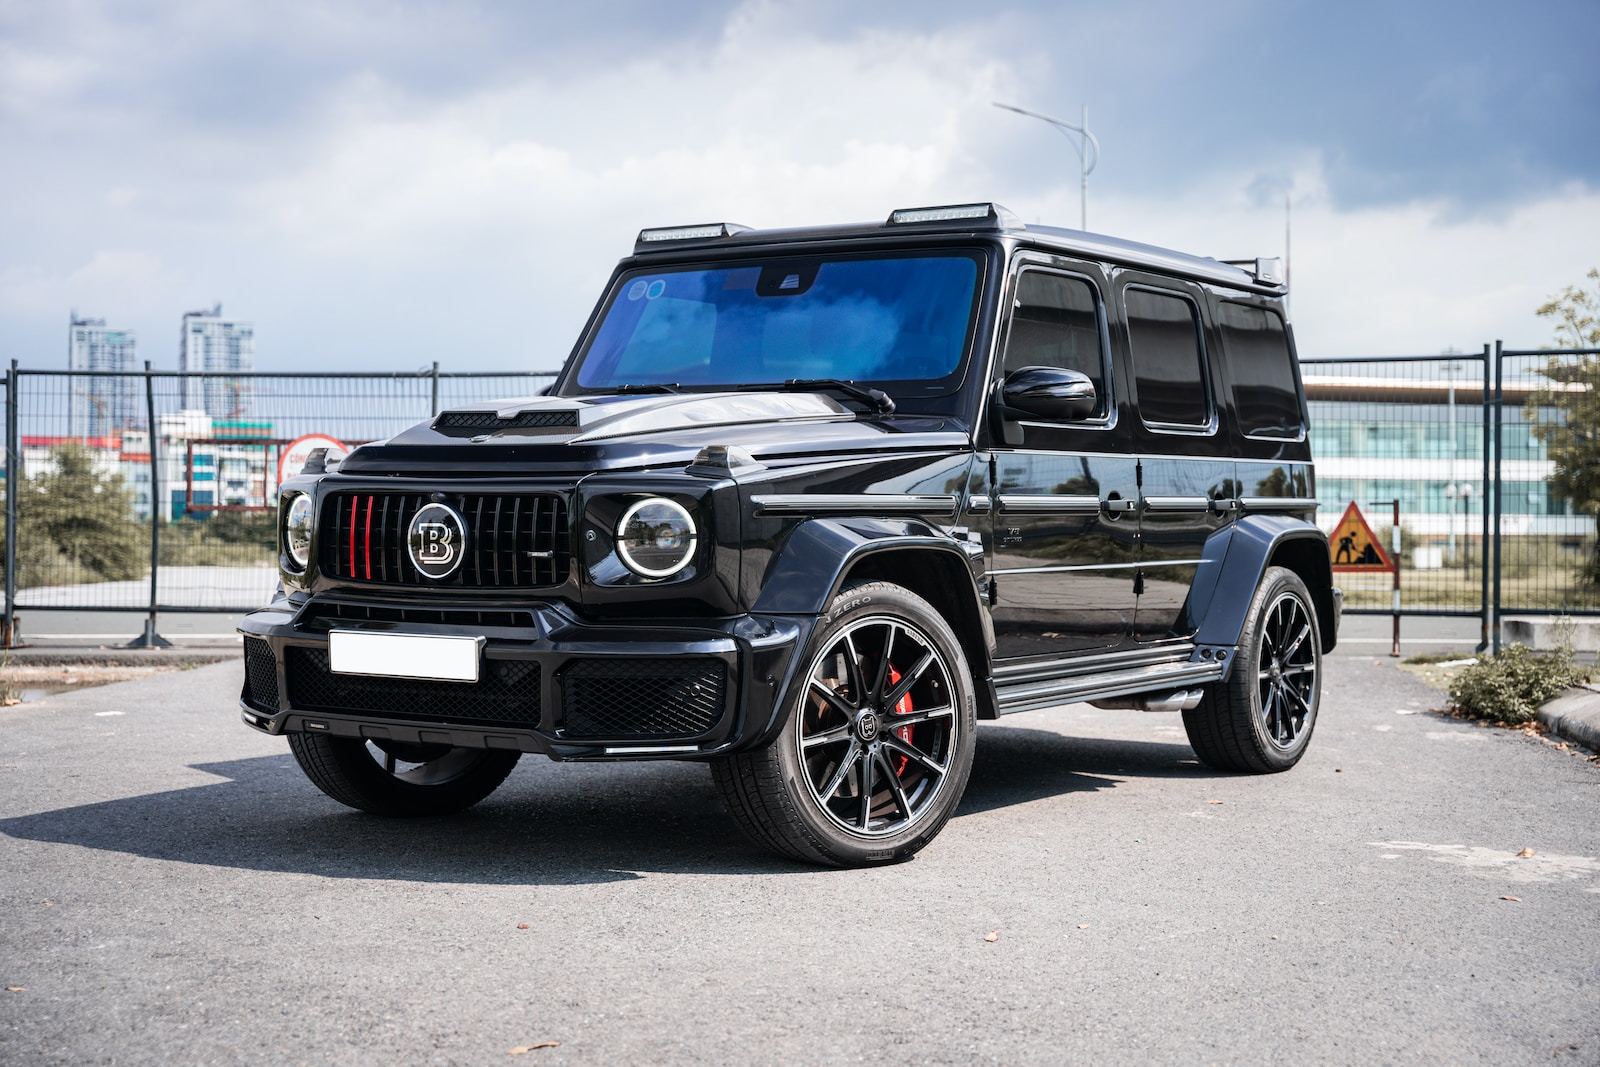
(901, 320)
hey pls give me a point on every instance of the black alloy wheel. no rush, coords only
(1260, 720)
(400, 778)
(877, 740)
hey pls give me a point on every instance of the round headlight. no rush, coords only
(297, 531)
(656, 538)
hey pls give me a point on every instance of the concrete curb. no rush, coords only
(1575, 715)
(120, 657)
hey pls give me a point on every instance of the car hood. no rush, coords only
(539, 434)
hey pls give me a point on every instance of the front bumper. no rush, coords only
(548, 683)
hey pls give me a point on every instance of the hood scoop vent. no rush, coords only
(472, 423)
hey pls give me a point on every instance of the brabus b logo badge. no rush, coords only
(437, 540)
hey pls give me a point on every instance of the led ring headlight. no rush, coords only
(297, 531)
(656, 537)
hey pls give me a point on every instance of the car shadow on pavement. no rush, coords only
(549, 824)
(1017, 765)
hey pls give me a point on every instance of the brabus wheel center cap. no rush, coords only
(867, 726)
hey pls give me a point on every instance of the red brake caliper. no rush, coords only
(902, 708)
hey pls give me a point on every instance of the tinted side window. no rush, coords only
(1055, 324)
(1261, 369)
(1169, 377)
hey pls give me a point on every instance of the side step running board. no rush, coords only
(1167, 678)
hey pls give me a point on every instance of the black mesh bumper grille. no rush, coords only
(260, 675)
(655, 698)
(506, 693)
(514, 540)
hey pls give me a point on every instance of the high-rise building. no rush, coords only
(211, 344)
(100, 402)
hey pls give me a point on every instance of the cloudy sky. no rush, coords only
(381, 183)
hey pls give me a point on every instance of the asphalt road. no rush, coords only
(174, 891)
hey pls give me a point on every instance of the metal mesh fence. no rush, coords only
(1407, 429)
(90, 490)
(1548, 557)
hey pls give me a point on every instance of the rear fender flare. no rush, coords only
(1235, 559)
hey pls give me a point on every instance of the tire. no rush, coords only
(1260, 720)
(399, 778)
(911, 742)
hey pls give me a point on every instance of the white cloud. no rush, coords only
(387, 227)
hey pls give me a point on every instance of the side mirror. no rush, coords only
(1049, 393)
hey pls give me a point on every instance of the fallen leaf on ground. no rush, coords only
(1213, 802)
(522, 926)
(523, 1049)
(1338, 770)
(992, 935)
(10, 702)
(1083, 926)
(1526, 853)
(16, 989)
(1517, 900)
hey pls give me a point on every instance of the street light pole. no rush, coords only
(1086, 145)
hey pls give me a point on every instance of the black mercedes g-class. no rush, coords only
(805, 505)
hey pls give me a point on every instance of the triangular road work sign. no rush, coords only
(1354, 546)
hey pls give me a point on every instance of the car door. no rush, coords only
(1063, 522)
(1187, 484)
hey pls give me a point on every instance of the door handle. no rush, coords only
(1118, 505)
(1224, 505)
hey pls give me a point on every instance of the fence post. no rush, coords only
(8, 629)
(1483, 502)
(435, 387)
(1499, 515)
(151, 639)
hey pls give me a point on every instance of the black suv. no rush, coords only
(807, 504)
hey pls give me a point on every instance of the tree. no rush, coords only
(1572, 441)
(85, 513)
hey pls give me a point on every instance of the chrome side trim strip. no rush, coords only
(1277, 503)
(1177, 503)
(853, 504)
(1052, 505)
(1151, 564)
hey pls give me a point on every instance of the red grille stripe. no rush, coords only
(366, 547)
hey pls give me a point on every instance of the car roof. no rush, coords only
(1002, 224)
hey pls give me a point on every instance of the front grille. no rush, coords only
(261, 675)
(326, 615)
(642, 698)
(506, 692)
(513, 539)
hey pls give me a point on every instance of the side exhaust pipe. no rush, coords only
(1182, 700)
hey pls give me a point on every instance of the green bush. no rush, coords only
(1510, 687)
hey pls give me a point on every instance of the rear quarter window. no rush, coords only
(1262, 370)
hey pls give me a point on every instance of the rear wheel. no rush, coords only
(400, 778)
(1260, 720)
(877, 742)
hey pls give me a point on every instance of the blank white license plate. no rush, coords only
(452, 659)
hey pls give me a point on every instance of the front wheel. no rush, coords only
(400, 778)
(1260, 720)
(877, 741)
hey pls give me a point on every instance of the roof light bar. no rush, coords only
(689, 233)
(997, 217)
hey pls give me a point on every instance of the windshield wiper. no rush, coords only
(880, 401)
(650, 387)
